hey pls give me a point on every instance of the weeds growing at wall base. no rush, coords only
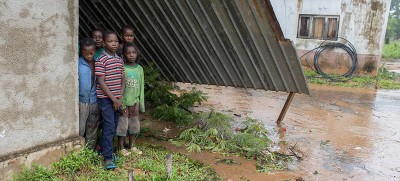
(384, 80)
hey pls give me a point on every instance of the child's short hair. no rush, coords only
(108, 32)
(127, 45)
(91, 33)
(87, 42)
(127, 27)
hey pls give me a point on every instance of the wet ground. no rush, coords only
(343, 133)
(392, 66)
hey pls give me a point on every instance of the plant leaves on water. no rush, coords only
(324, 142)
(228, 161)
(217, 135)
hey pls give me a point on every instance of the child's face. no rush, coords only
(131, 54)
(128, 36)
(111, 42)
(88, 53)
(97, 37)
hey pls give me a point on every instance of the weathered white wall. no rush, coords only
(362, 22)
(286, 11)
(38, 65)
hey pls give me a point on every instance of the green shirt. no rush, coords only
(134, 86)
(98, 53)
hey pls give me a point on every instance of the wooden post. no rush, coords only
(131, 175)
(285, 108)
(168, 162)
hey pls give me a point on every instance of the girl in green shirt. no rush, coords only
(132, 99)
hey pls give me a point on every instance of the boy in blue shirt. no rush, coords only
(89, 113)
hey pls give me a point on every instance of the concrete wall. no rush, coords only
(38, 67)
(362, 22)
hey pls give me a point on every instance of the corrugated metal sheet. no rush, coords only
(221, 42)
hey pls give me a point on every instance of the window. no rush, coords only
(318, 27)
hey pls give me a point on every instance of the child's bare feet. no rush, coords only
(136, 151)
(125, 152)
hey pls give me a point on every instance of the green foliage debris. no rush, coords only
(168, 105)
(216, 134)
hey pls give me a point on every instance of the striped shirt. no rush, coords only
(112, 68)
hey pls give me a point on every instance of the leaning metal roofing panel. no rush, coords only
(221, 42)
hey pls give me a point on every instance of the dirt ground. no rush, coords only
(392, 66)
(343, 133)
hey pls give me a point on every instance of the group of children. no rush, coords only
(111, 91)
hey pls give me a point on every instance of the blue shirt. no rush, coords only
(87, 92)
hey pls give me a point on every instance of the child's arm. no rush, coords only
(123, 84)
(141, 96)
(100, 73)
(116, 102)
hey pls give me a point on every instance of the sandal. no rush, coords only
(114, 157)
(110, 165)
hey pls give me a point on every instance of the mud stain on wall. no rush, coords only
(299, 5)
(21, 46)
(345, 24)
(24, 13)
(343, 6)
(373, 26)
(358, 2)
(71, 18)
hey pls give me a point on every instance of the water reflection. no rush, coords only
(344, 133)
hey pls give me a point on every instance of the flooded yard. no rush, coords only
(342, 133)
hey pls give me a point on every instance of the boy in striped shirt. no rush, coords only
(111, 83)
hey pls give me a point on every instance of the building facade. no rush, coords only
(308, 23)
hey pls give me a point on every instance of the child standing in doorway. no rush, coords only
(111, 82)
(132, 100)
(128, 36)
(97, 36)
(89, 114)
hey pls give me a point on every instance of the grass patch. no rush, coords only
(86, 164)
(391, 51)
(383, 80)
(184, 168)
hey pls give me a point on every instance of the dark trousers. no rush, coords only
(110, 122)
(89, 120)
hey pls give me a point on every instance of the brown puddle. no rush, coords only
(243, 169)
(344, 133)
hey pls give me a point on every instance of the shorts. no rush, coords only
(132, 126)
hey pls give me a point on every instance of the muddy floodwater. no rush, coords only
(343, 133)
